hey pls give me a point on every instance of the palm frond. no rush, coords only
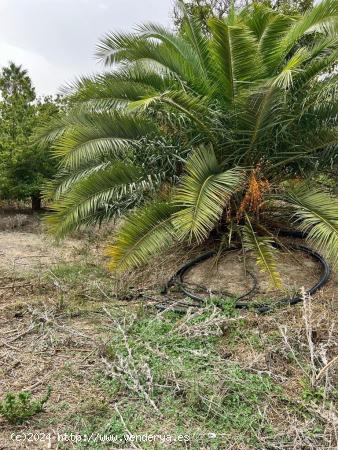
(316, 68)
(283, 33)
(203, 194)
(262, 113)
(317, 146)
(257, 17)
(192, 53)
(135, 48)
(263, 250)
(193, 33)
(117, 88)
(144, 233)
(63, 181)
(97, 135)
(316, 213)
(285, 77)
(92, 194)
(269, 43)
(235, 55)
(323, 13)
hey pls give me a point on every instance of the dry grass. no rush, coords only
(65, 322)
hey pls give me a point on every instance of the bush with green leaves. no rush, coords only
(253, 108)
(24, 165)
(17, 408)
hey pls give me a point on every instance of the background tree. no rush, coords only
(292, 6)
(203, 10)
(24, 166)
(33, 165)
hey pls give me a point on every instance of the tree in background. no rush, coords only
(292, 6)
(203, 10)
(24, 166)
(33, 165)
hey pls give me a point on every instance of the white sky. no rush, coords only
(55, 40)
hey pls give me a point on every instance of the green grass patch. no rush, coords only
(74, 273)
(168, 370)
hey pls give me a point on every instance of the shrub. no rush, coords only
(17, 408)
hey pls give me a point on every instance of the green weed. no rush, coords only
(185, 380)
(17, 408)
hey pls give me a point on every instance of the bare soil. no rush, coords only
(229, 274)
(25, 252)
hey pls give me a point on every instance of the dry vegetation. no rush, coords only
(117, 366)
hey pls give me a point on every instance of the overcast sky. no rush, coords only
(55, 39)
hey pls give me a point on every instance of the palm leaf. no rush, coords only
(324, 13)
(284, 33)
(117, 88)
(269, 43)
(91, 194)
(93, 136)
(191, 52)
(146, 232)
(65, 179)
(285, 77)
(234, 52)
(192, 31)
(318, 145)
(257, 18)
(262, 113)
(262, 247)
(316, 213)
(161, 57)
(203, 194)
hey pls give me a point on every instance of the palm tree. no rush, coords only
(252, 102)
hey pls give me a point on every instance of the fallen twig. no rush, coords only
(326, 367)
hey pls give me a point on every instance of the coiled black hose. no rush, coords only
(178, 280)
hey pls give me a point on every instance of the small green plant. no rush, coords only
(17, 408)
(312, 393)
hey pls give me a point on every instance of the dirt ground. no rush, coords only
(27, 252)
(54, 325)
(228, 274)
(42, 342)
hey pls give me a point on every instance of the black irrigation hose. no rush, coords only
(183, 285)
(177, 279)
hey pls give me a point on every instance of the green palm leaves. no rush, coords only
(87, 200)
(262, 248)
(316, 213)
(236, 59)
(197, 206)
(143, 234)
(100, 135)
(203, 194)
